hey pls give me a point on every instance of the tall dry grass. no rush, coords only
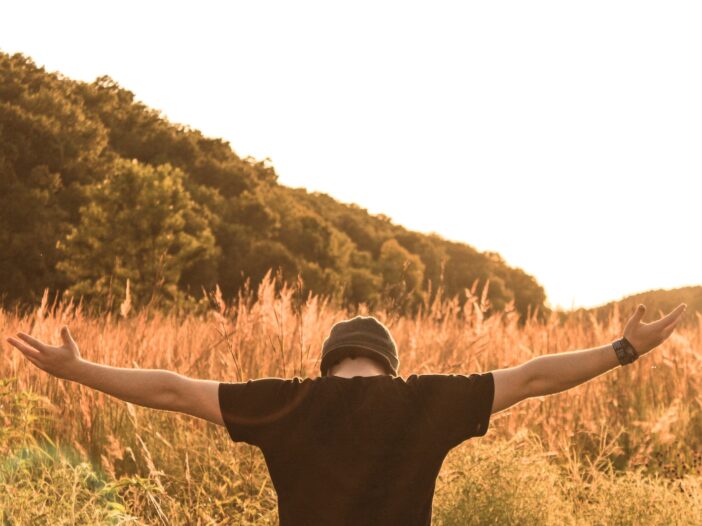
(124, 464)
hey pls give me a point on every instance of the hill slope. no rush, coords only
(661, 301)
(97, 189)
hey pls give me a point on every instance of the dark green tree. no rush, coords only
(403, 273)
(141, 225)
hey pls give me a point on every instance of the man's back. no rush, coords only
(362, 450)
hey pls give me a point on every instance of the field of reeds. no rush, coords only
(624, 448)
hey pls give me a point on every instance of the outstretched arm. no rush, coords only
(553, 373)
(155, 388)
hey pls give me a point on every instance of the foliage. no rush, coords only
(60, 140)
(141, 225)
(505, 482)
(402, 273)
(517, 481)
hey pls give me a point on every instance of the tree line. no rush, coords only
(98, 191)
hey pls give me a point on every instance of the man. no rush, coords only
(358, 445)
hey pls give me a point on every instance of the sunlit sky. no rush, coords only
(567, 136)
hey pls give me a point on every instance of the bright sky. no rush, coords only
(567, 136)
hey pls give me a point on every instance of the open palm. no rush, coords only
(57, 361)
(646, 336)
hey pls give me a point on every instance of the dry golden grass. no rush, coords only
(163, 468)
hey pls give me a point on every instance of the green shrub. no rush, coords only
(509, 482)
(631, 498)
(39, 486)
(516, 482)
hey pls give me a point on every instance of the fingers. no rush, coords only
(38, 345)
(672, 317)
(669, 329)
(677, 313)
(66, 337)
(638, 313)
(35, 361)
(25, 349)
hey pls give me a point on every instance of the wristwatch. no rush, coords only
(625, 351)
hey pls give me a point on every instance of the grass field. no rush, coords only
(625, 448)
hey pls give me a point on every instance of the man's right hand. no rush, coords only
(61, 361)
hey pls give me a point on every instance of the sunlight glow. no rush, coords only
(565, 136)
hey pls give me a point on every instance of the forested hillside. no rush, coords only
(97, 191)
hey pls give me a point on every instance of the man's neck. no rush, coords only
(360, 366)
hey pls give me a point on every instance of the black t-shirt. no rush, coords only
(357, 451)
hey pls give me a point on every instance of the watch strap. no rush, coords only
(625, 351)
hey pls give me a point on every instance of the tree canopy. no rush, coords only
(138, 224)
(97, 189)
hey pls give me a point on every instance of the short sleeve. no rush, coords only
(253, 411)
(457, 406)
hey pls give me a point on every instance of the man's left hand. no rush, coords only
(646, 336)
